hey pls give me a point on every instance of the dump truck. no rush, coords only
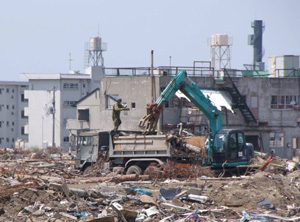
(130, 150)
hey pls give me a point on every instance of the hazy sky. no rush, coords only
(38, 35)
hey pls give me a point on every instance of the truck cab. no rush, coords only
(90, 145)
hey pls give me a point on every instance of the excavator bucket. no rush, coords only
(149, 122)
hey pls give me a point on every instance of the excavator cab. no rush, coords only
(229, 148)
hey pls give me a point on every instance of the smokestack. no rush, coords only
(256, 41)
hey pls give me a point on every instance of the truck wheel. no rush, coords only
(134, 169)
(87, 171)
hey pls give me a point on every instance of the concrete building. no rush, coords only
(12, 117)
(51, 101)
(265, 108)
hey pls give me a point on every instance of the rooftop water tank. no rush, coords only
(95, 43)
(219, 40)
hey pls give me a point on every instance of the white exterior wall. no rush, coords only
(11, 106)
(40, 97)
(92, 103)
(281, 66)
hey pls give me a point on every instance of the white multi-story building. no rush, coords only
(12, 118)
(51, 101)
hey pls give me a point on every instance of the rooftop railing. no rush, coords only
(161, 70)
(199, 72)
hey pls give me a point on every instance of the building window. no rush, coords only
(66, 139)
(69, 104)
(7, 140)
(23, 114)
(83, 85)
(0, 140)
(23, 130)
(84, 114)
(284, 102)
(13, 107)
(23, 98)
(70, 86)
(13, 123)
(0, 91)
(7, 123)
(110, 100)
(7, 90)
(12, 90)
(132, 105)
(7, 106)
(295, 142)
(0, 123)
(276, 139)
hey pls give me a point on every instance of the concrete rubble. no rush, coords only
(44, 186)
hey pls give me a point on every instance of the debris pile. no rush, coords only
(46, 187)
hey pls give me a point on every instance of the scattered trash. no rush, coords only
(170, 193)
(266, 205)
(201, 199)
(49, 188)
(138, 190)
(151, 211)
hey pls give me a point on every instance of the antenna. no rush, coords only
(70, 61)
(98, 29)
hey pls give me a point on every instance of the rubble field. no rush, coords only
(45, 186)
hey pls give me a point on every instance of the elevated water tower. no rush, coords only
(94, 49)
(220, 51)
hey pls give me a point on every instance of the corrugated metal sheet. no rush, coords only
(218, 98)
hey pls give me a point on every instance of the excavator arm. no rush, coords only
(190, 90)
(149, 122)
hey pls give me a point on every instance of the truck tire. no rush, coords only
(134, 169)
(87, 170)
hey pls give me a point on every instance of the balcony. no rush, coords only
(74, 124)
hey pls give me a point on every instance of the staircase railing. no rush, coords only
(239, 101)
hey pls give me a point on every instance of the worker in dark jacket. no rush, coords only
(118, 107)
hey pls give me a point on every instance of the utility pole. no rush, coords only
(152, 78)
(53, 116)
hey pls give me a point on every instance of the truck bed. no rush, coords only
(140, 145)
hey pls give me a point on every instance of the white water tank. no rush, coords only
(95, 43)
(283, 65)
(219, 40)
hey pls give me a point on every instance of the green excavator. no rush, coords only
(225, 147)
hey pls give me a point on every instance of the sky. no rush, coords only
(38, 36)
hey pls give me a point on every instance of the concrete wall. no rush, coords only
(133, 90)
(279, 121)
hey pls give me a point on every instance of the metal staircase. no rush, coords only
(239, 102)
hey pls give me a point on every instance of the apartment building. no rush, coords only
(52, 100)
(12, 115)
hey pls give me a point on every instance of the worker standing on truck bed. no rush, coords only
(118, 107)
